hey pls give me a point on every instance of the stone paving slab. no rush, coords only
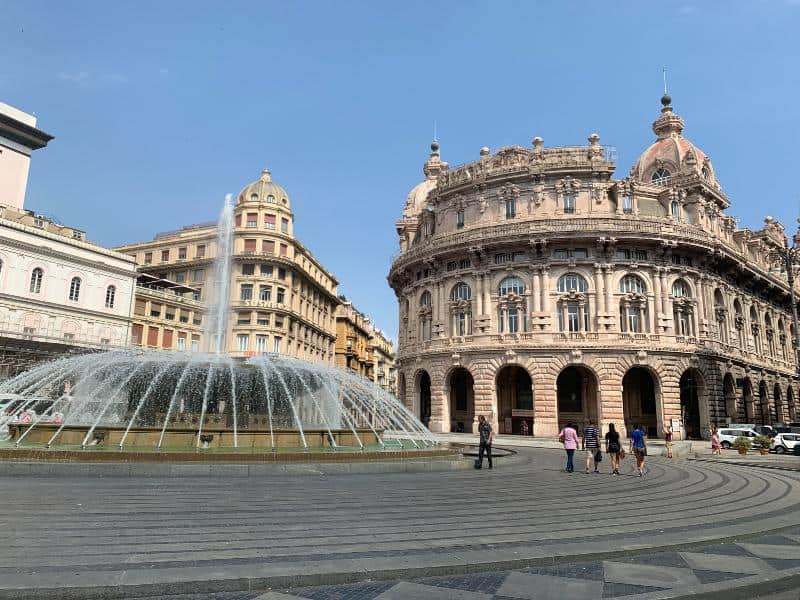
(105, 537)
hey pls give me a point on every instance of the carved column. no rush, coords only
(536, 295)
(600, 306)
(657, 306)
(701, 307)
(479, 293)
(545, 289)
(665, 307)
(609, 269)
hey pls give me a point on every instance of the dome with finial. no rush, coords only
(264, 190)
(418, 196)
(672, 154)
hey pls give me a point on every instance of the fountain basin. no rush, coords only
(186, 437)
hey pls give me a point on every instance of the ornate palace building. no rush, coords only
(282, 299)
(363, 348)
(536, 289)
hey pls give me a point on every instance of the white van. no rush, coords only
(727, 435)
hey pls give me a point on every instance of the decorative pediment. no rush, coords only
(509, 191)
(573, 296)
(568, 185)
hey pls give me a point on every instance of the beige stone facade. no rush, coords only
(536, 289)
(363, 348)
(282, 299)
(166, 316)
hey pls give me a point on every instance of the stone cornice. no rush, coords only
(81, 312)
(51, 252)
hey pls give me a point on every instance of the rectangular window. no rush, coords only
(242, 342)
(452, 265)
(243, 318)
(261, 343)
(252, 220)
(246, 292)
(276, 344)
(237, 220)
(140, 307)
(634, 325)
(465, 263)
(180, 277)
(181, 343)
(198, 275)
(248, 269)
(500, 259)
(460, 219)
(511, 208)
(284, 250)
(280, 295)
(268, 247)
(182, 253)
(580, 253)
(285, 225)
(561, 253)
(155, 310)
(266, 270)
(262, 319)
(569, 204)
(166, 341)
(164, 255)
(572, 317)
(513, 320)
(152, 336)
(249, 246)
(195, 343)
(281, 273)
(201, 251)
(269, 221)
(148, 258)
(265, 293)
(169, 315)
(197, 294)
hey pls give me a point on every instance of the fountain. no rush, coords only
(162, 401)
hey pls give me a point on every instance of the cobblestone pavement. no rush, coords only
(505, 529)
(627, 577)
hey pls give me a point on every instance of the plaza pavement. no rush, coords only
(523, 530)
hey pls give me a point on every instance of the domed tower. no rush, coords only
(264, 193)
(412, 221)
(672, 155)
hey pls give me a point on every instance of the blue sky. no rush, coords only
(160, 108)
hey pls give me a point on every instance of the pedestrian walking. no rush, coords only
(639, 449)
(668, 440)
(716, 447)
(613, 448)
(486, 434)
(591, 445)
(569, 437)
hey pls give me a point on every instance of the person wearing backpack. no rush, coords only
(639, 449)
(591, 444)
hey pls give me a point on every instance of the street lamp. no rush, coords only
(791, 257)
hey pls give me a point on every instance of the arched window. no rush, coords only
(511, 308)
(572, 282)
(721, 316)
(770, 333)
(739, 324)
(782, 338)
(111, 293)
(682, 309)
(680, 289)
(271, 199)
(661, 176)
(425, 316)
(755, 328)
(461, 291)
(511, 285)
(705, 172)
(674, 209)
(253, 197)
(633, 305)
(631, 284)
(36, 280)
(75, 289)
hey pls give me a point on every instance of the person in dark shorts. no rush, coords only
(613, 448)
(486, 434)
(639, 449)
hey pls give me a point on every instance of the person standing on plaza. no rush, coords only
(569, 437)
(613, 448)
(591, 445)
(668, 440)
(639, 449)
(716, 447)
(486, 434)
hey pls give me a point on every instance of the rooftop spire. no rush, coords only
(668, 124)
(434, 165)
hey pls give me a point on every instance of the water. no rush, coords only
(168, 394)
(166, 399)
(219, 299)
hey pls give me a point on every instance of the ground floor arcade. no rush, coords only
(526, 394)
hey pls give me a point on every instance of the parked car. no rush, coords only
(728, 435)
(785, 442)
(760, 429)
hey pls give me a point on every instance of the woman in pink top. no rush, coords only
(569, 437)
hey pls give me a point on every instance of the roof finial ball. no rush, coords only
(485, 151)
(666, 100)
(434, 148)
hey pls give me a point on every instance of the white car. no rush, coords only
(727, 436)
(785, 442)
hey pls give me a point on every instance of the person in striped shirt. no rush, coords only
(591, 444)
